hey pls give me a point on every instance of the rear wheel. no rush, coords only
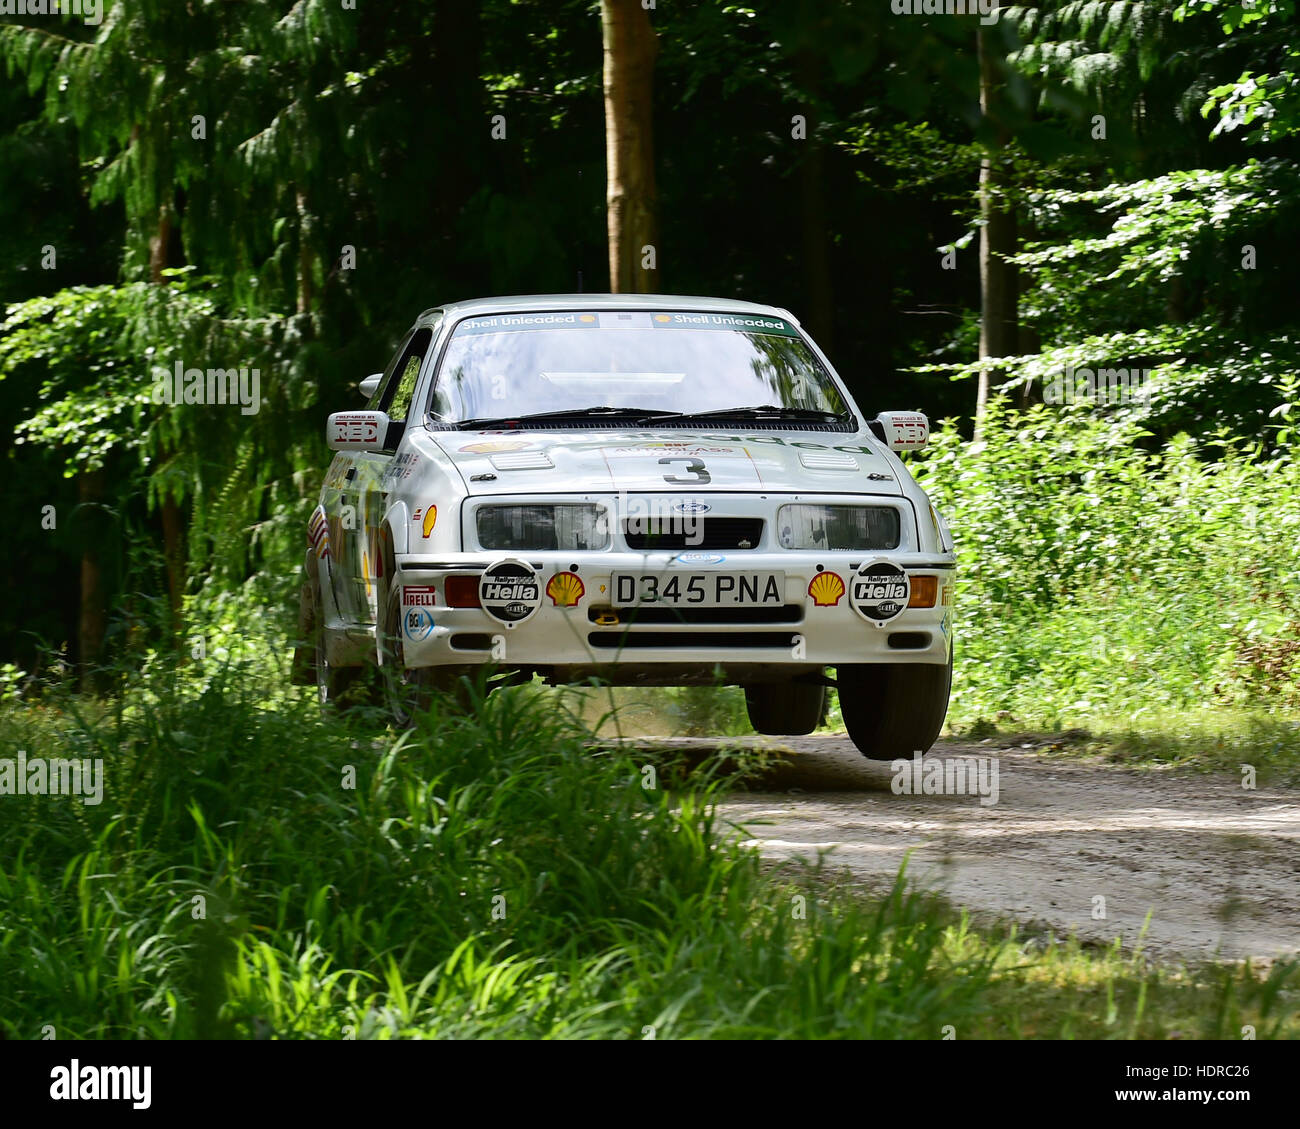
(786, 709)
(894, 710)
(338, 687)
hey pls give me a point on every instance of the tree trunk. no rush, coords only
(306, 282)
(173, 525)
(158, 246)
(818, 314)
(92, 617)
(1027, 338)
(630, 49)
(999, 314)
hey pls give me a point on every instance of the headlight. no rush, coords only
(852, 528)
(528, 528)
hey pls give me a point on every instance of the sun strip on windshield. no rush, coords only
(627, 319)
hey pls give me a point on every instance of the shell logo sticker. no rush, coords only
(587, 318)
(427, 517)
(826, 589)
(565, 590)
(663, 319)
(493, 446)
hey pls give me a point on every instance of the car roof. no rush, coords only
(519, 302)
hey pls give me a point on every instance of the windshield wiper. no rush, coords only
(769, 411)
(604, 412)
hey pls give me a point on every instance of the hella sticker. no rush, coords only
(879, 592)
(509, 591)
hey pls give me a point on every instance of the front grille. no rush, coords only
(716, 640)
(784, 613)
(679, 534)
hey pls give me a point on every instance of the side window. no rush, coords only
(395, 395)
(377, 397)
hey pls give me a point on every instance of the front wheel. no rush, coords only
(405, 691)
(785, 709)
(894, 710)
(408, 691)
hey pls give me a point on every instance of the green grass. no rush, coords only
(1042, 985)
(1103, 577)
(1224, 741)
(498, 875)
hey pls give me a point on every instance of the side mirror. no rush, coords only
(357, 431)
(902, 431)
(369, 385)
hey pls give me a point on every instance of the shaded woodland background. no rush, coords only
(956, 209)
(962, 212)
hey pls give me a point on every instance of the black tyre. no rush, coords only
(407, 692)
(894, 710)
(785, 709)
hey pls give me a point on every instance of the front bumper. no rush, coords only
(589, 634)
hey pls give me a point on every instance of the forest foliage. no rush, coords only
(283, 186)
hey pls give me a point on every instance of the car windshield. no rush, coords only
(669, 362)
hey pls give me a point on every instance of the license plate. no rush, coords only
(698, 589)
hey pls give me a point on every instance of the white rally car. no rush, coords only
(640, 489)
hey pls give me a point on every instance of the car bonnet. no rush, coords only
(596, 461)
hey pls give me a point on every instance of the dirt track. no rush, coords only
(1217, 866)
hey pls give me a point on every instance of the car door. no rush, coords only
(338, 500)
(362, 501)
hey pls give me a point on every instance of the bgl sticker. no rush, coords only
(417, 623)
